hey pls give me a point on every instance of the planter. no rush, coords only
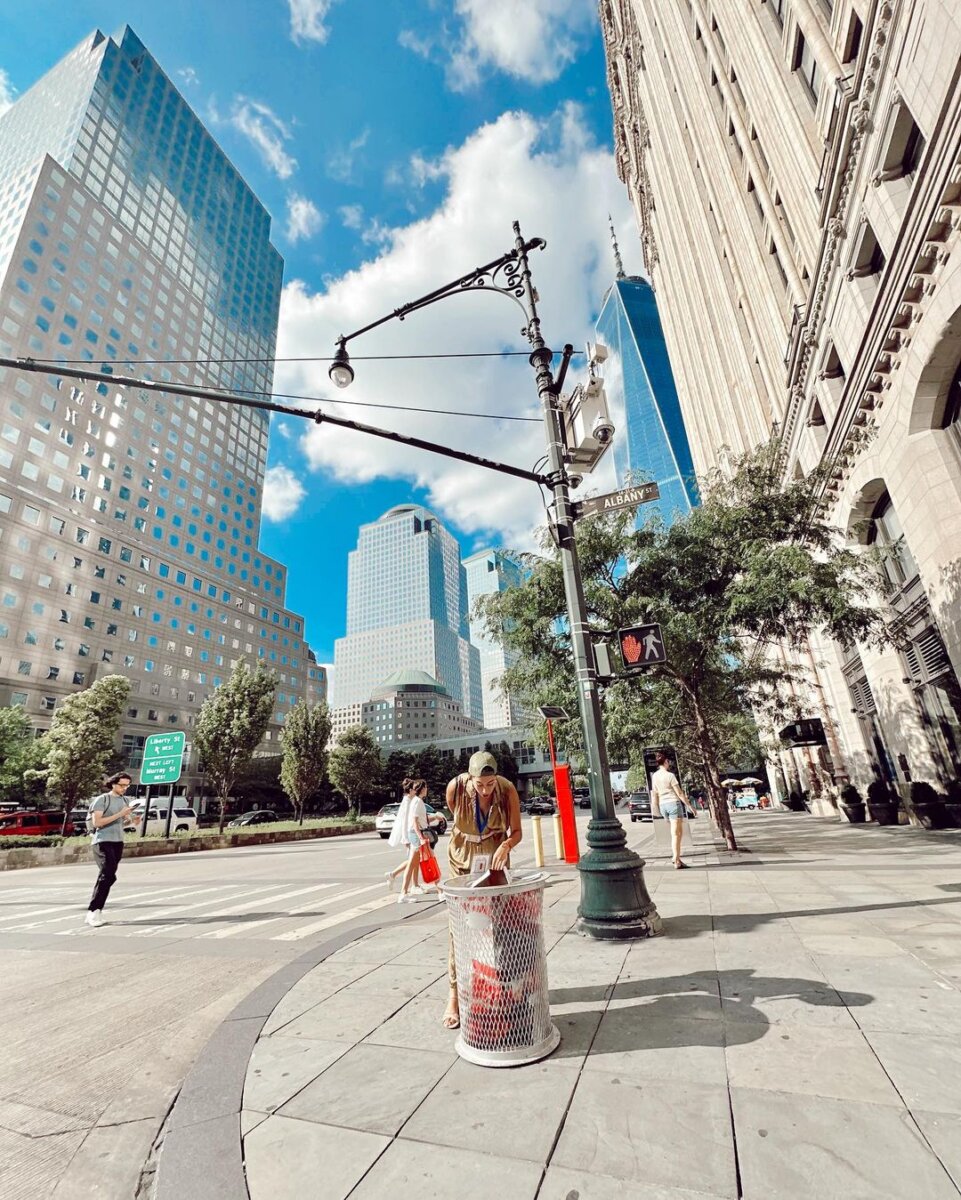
(931, 815)
(854, 814)
(884, 814)
(952, 810)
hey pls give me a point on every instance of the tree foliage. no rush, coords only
(21, 758)
(305, 737)
(753, 565)
(80, 741)
(506, 762)
(354, 767)
(231, 724)
(258, 783)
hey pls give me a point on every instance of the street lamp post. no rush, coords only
(614, 899)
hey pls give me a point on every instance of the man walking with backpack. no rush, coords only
(105, 821)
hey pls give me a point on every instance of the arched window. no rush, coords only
(886, 533)
(952, 406)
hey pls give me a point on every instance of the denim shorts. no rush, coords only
(673, 809)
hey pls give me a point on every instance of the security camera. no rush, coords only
(603, 430)
(575, 481)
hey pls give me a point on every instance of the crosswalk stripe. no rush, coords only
(118, 908)
(294, 935)
(246, 926)
(73, 907)
(177, 909)
(263, 898)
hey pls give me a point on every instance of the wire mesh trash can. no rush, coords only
(501, 971)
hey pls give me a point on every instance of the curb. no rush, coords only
(202, 1153)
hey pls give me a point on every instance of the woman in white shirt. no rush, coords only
(668, 800)
(410, 831)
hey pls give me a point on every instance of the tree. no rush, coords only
(21, 757)
(754, 565)
(506, 762)
(231, 725)
(258, 782)
(354, 767)
(398, 767)
(431, 766)
(305, 737)
(80, 740)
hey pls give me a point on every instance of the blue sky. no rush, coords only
(393, 142)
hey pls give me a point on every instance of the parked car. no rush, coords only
(33, 823)
(582, 797)
(639, 806)
(384, 821)
(541, 806)
(184, 819)
(259, 816)
(745, 799)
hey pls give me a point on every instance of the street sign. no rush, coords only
(641, 646)
(163, 756)
(627, 497)
(809, 732)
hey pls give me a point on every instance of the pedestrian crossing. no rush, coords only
(276, 912)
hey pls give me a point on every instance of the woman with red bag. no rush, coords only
(415, 836)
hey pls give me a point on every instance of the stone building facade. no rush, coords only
(795, 167)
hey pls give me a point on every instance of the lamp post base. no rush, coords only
(615, 904)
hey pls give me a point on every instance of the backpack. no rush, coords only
(91, 828)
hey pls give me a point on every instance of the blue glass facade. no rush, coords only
(491, 571)
(406, 608)
(651, 440)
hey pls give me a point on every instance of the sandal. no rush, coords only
(680, 866)
(451, 1019)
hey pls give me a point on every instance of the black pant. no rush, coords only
(107, 856)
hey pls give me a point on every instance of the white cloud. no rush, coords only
(8, 93)
(340, 165)
(307, 20)
(304, 218)
(189, 76)
(553, 178)
(352, 216)
(533, 41)
(283, 493)
(266, 131)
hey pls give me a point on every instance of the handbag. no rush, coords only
(429, 866)
(433, 837)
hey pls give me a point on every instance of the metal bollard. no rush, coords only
(538, 840)
(558, 837)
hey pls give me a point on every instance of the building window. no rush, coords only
(777, 8)
(886, 534)
(904, 146)
(806, 65)
(869, 257)
(852, 43)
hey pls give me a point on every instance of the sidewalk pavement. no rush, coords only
(795, 1033)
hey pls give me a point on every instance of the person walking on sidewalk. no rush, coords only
(107, 814)
(397, 838)
(487, 821)
(668, 800)
(415, 834)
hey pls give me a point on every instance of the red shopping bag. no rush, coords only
(429, 867)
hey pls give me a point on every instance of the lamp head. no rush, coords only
(341, 372)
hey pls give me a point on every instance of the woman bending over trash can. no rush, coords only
(487, 821)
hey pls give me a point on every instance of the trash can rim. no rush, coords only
(461, 887)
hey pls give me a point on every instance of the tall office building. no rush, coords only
(652, 439)
(406, 607)
(487, 572)
(130, 520)
(794, 167)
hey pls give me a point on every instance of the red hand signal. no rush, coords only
(631, 648)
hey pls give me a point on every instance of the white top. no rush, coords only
(664, 786)
(416, 815)
(398, 831)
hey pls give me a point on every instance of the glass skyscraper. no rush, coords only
(406, 608)
(129, 521)
(491, 571)
(651, 441)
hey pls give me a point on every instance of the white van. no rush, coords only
(184, 819)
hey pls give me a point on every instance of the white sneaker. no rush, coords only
(94, 918)
(405, 898)
(389, 876)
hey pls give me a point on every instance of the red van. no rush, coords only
(37, 824)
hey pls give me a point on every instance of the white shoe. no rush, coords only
(94, 918)
(405, 898)
(389, 876)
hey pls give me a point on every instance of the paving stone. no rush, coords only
(665, 1133)
(851, 944)
(471, 1106)
(375, 1088)
(817, 1061)
(634, 1041)
(926, 1070)
(934, 1008)
(115, 1154)
(281, 1066)
(943, 1131)
(832, 1150)
(871, 974)
(288, 1160)
(393, 980)
(343, 1017)
(410, 1168)
(563, 1183)
(417, 1026)
(802, 1008)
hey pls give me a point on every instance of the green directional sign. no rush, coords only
(163, 756)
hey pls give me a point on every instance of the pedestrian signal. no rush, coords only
(641, 646)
